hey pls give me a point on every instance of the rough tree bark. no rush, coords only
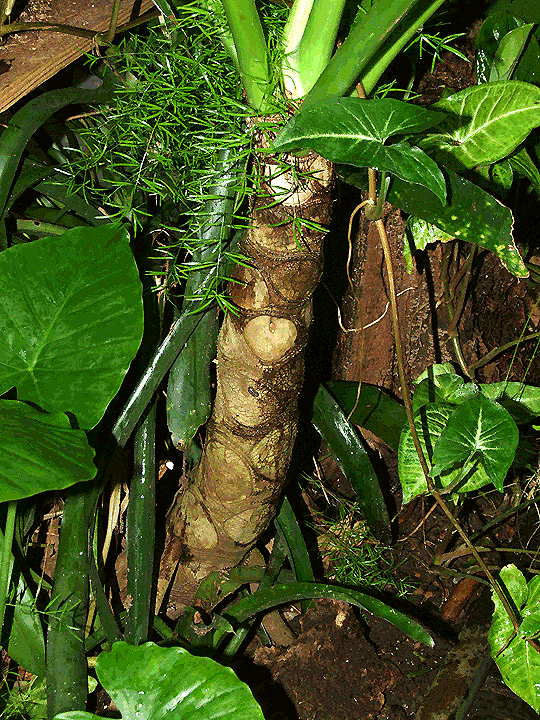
(235, 490)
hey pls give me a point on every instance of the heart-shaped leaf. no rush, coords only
(355, 131)
(40, 452)
(472, 214)
(485, 123)
(482, 429)
(517, 659)
(430, 422)
(71, 320)
(151, 682)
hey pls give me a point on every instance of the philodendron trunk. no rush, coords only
(235, 490)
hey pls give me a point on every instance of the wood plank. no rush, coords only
(28, 59)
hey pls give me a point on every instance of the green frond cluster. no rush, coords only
(148, 158)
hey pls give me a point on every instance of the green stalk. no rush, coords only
(308, 42)
(373, 42)
(373, 75)
(141, 530)
(251, 52)
(67, 678)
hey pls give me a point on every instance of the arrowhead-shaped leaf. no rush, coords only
(472, 214)
(482, 428)
(70, 320)
(485, 123)
(355, 131)
(40, 452)
(518, 660)
(430, 422)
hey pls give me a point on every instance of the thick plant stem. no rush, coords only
(236, 488)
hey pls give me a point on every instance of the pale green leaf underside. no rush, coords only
(485, 123)
(354, 131)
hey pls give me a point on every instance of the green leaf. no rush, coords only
(26, 645)
(521, 401)
(351, 456)
(39, 452)
(373, 409)
(447, 388)
(355, 131)
(527, 10)
(26, 121)
(509, 52)
(485, 123)
(168, 682)
(291, 592)
(434, 370)
(430, 422)
(418, 235)
(518, 661)
(294, 539)
(472, 214)
(523, 164)
(71, 320)
(482, 429)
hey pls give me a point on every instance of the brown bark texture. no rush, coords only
(235, 490)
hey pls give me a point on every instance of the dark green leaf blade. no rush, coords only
(518, 661)
(158, 682)
(373, 409)
(485, 123)
(40, 452)
(351, 456)
(355, 131)
(71, 318)
(291, 592)
(482, 428)
(472, 214)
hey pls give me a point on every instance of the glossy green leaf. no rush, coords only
(509, 52)
(481, 429)
(521, 401)
(493, 34)
(523, 164)
(430, 422)
(22, 625)
(351, 456)
(292, 592)
(355, 131)
(373, 409)
(294, 539)
(39, 452)
(71, 320)
(471, 214)
(434, 370)
(518, 661)
(484, 123)
(526, 10)
(418, 235)
(448, 388)
(152, 682)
